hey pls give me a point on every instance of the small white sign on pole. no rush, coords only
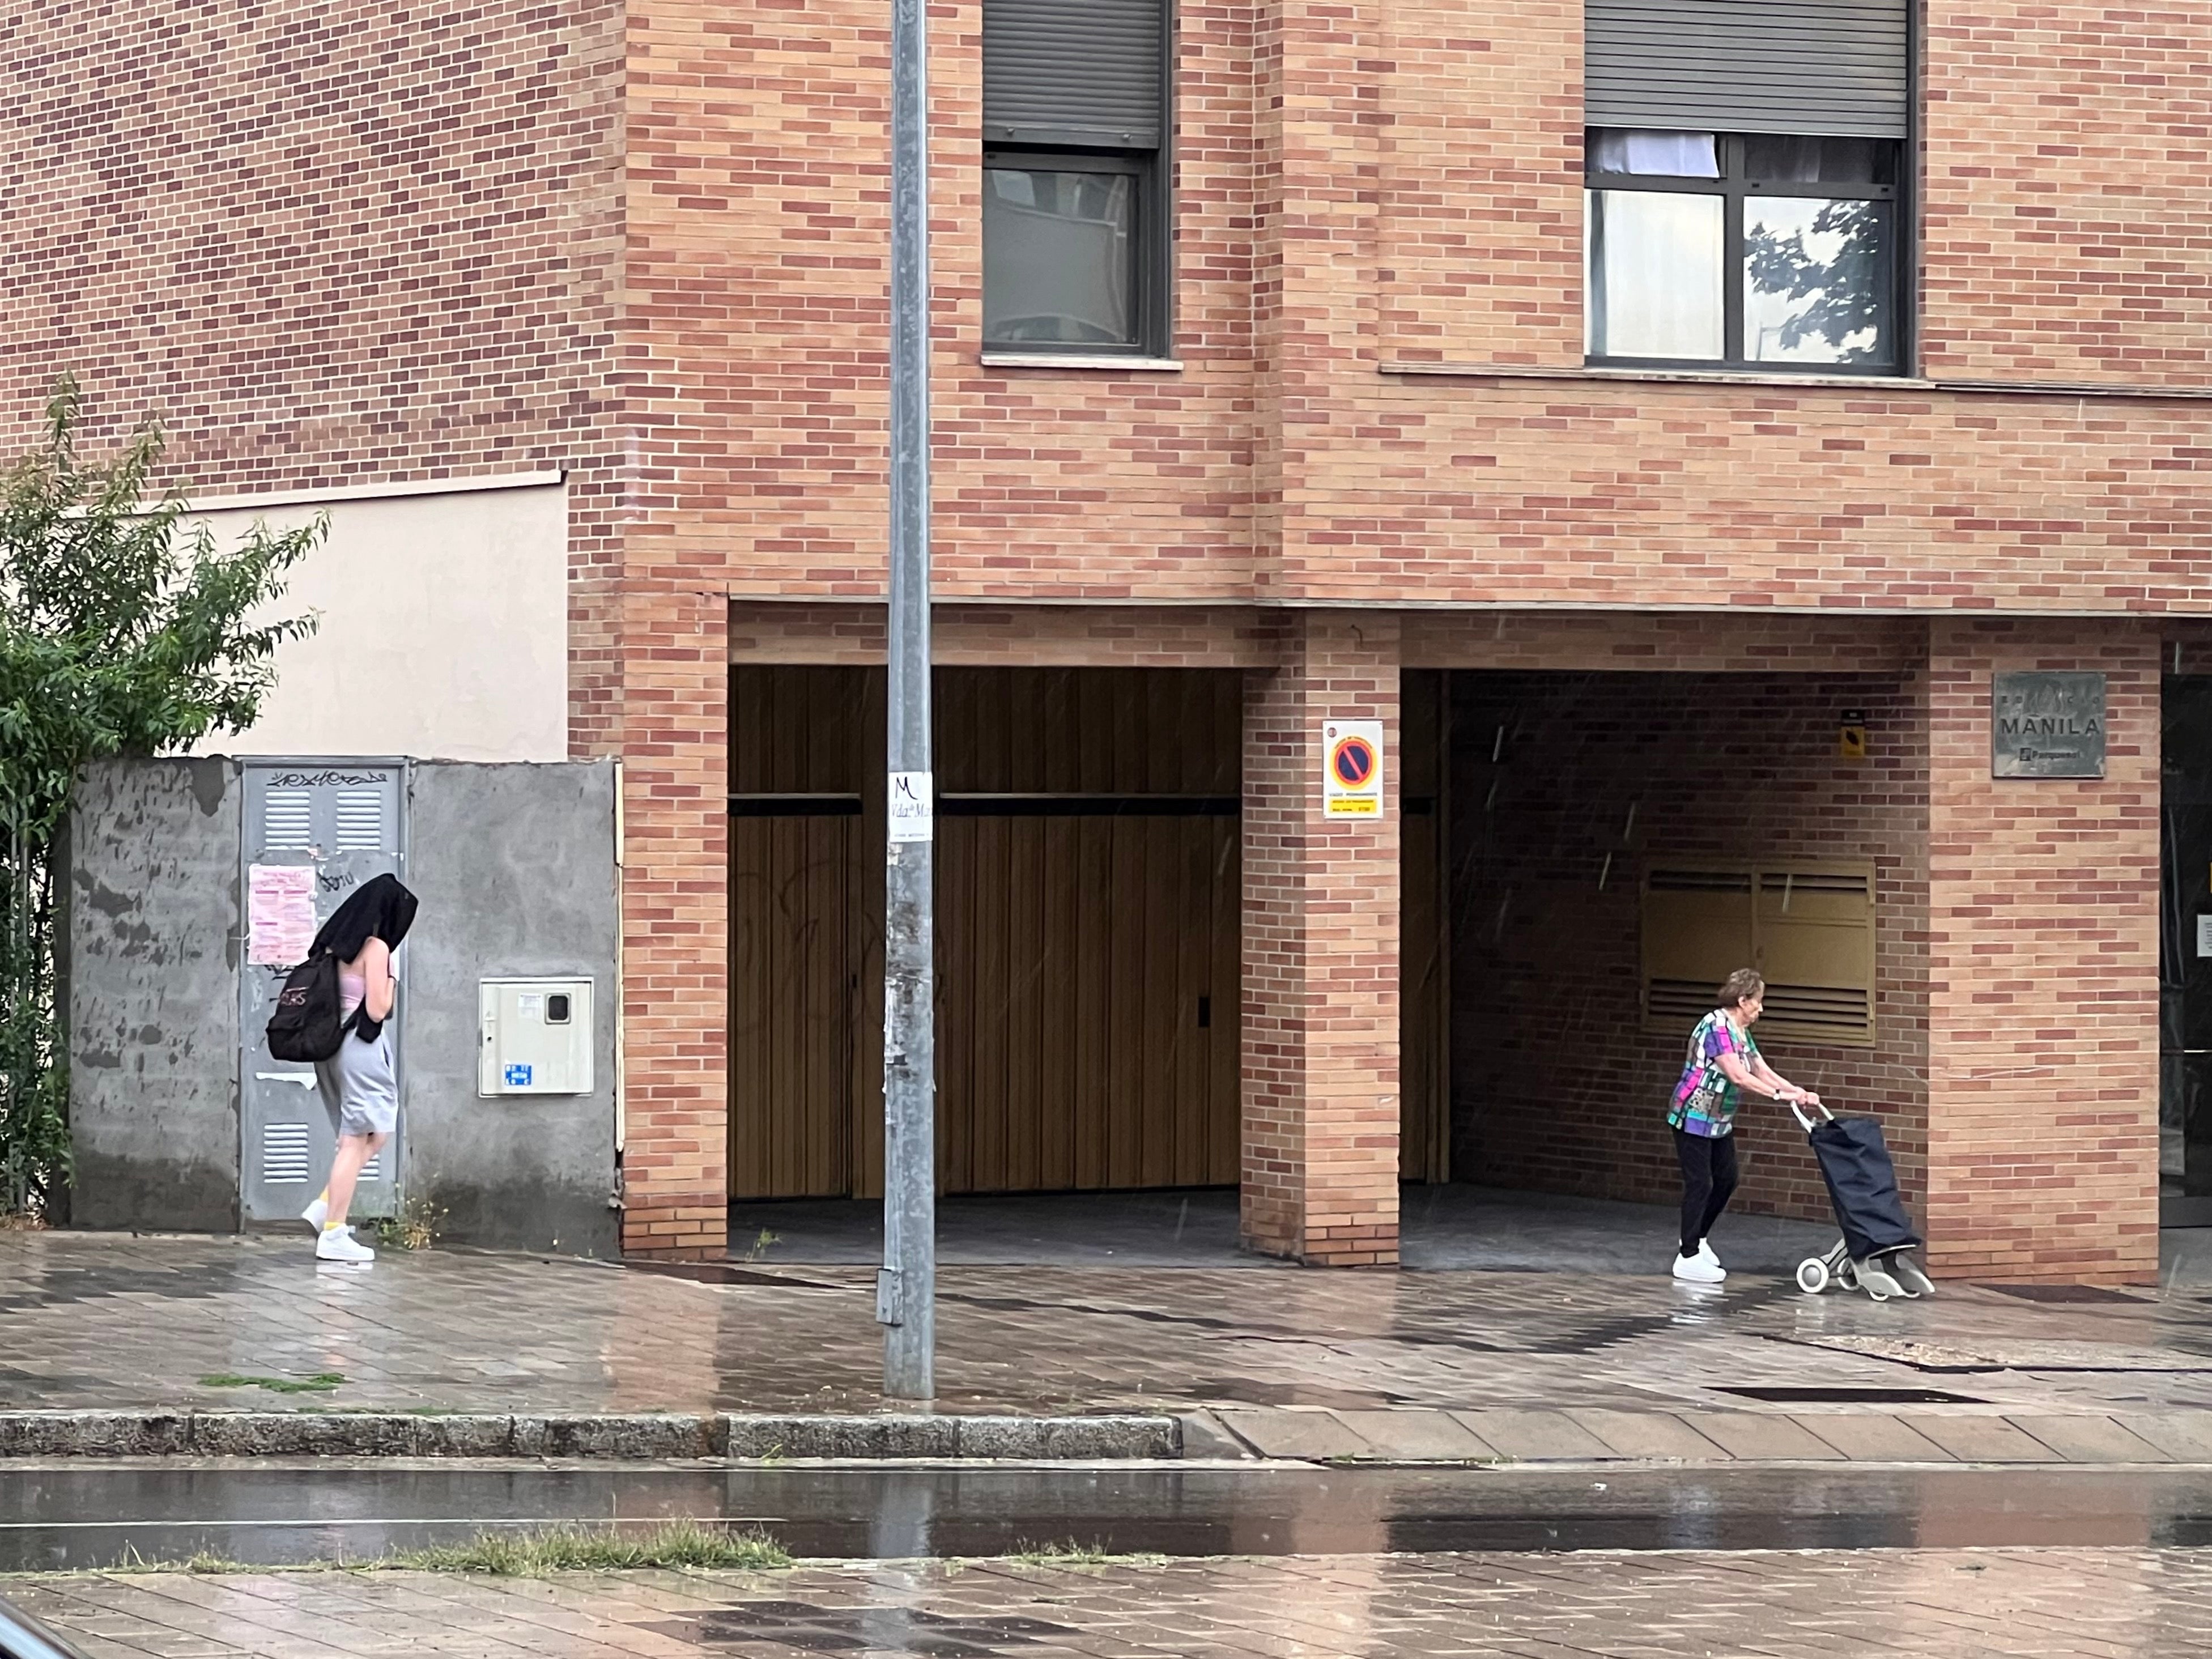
(1351, 769)
(912, 807)
(2204, 935)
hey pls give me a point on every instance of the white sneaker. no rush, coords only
(338, 1244)
(1705, 1254)
(1691, 1269)
(317, 1212)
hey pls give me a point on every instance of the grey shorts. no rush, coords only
(360, 1086)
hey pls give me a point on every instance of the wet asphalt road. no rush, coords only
(62, 1515)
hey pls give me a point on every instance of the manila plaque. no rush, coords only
(2047, 726)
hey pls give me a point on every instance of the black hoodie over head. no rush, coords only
(380, 908)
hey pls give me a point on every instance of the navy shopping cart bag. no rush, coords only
(1862, 1186)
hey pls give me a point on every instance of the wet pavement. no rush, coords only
(144, 1322)
(77, 1515)
(2056, 1603)
(1456, 1228)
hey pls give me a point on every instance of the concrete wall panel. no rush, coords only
(153, 940)
(515, 866)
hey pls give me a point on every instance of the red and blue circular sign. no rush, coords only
(1351, 762)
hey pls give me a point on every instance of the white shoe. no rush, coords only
(1705, 1254)
(1690, 1269)
(338, 1244)
(317, 1212)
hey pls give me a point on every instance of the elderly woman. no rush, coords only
(1723, 1062)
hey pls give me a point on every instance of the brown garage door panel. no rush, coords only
(1087, 901)
(791, 1007)
(1085, 1037)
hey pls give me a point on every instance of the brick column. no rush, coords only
(2043, 972)
(675, 695)
(1321, 956)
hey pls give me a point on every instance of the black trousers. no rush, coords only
(1709, 1177)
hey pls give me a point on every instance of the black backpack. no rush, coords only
(308, 1025)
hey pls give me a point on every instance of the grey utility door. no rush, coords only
(338, 823)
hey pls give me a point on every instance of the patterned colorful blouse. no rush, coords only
(1704, 1100)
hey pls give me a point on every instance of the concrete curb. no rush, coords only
(1511, 1436)
(638, 1437)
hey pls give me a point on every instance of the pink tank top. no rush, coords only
(352, 990)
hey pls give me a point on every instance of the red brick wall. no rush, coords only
(759, 228)
(1320, 958)
(1558, 1085)
(675, 922)
(992, 635)
(2043, 971)
(333, 243)
(2067, 233)
(1482, 175)
(1603, 493)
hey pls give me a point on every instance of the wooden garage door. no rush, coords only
(1088, 890)
(1088, 894)
(803, 922)
(792, 1006)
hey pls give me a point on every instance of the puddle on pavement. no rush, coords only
(1787, 1394)
(2072, 1293)
(56, 1516)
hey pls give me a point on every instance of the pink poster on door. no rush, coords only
(280, 911)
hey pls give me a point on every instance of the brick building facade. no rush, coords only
(347, 247)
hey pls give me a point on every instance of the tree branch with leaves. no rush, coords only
(124, 630)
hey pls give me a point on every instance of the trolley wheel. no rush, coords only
(1812, 1275)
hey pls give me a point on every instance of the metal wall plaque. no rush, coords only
(2047, 726)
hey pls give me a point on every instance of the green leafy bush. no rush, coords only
(123, 631)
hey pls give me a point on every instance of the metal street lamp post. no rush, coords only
(906, 1290)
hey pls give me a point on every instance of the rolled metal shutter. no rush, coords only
(1808, 67)
(1060, 72)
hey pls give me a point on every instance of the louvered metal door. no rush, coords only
(345, 820)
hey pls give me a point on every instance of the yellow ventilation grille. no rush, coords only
(1808, 929)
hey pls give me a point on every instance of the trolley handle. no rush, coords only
(1805, 1123)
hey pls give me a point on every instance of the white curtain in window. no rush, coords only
(1656, 154)
(1655, 275)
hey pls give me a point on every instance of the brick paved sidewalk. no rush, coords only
(1282, 1362)
(1959, 1604)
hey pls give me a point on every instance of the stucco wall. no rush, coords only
(443, 628)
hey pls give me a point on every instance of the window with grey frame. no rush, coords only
(1746, 163)
(1742, 250)
(1075, 173)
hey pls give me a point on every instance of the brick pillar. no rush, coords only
(1321, 956)
(2043, 972)
(675, 695)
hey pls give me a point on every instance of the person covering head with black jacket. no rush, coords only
(358, 1083)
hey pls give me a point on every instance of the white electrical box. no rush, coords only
(534, 1036)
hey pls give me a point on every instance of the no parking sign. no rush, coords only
(1351, 769)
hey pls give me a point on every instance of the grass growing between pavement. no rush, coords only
(418, 1225)
(321, 1382)
(530, 1554)
(582, 1549)
(203, 1561)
